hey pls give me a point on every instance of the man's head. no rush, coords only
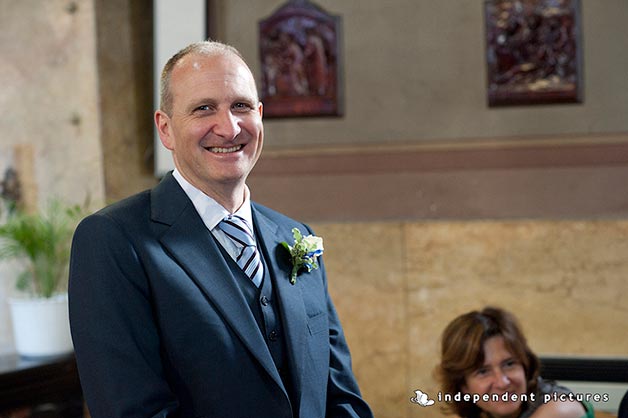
(210, 117)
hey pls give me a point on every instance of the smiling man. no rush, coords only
(181, 299)
(211, 120)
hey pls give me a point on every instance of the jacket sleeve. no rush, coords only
(114, 333)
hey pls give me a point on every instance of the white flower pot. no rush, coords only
(41, 326)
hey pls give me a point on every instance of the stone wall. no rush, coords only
(49, 101)
(415, 71)
(49, 98)
(397, 284)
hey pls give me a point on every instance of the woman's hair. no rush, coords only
(462, 352)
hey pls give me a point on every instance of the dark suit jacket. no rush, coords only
(161, 329)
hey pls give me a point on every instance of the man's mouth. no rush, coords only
(223, 150)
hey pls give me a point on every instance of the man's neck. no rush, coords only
(230, 198)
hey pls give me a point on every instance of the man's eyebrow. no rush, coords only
(248, 99)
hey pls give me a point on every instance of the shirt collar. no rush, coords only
(210, 211)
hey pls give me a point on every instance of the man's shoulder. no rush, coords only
(124, 216)
(129, 207)
(275, 216)
(158, 202)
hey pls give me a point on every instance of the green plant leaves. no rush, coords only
(43, 241)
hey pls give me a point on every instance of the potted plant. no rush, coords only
(41, 242)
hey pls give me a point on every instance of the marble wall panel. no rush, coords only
(365, 266)
(397, 285)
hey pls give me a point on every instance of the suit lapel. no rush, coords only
(192, 245)
(294, 318)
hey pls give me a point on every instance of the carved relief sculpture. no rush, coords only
(533, 51)
(299, 54)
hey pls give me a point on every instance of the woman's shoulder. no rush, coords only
(559, 409)
(553, 400)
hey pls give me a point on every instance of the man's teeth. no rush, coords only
(225, 150)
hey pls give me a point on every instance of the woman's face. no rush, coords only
(501, 373)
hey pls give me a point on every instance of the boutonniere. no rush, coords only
(303, 253)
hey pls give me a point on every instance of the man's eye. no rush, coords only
(242, 106)
(203, 107)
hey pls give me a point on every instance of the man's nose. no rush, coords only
(227, 125)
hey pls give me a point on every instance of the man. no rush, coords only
(165, 320)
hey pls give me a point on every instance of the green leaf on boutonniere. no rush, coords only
(303, 253)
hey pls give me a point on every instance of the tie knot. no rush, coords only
(237, 229)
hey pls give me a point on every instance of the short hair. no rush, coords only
(462, 352)
(208, 48)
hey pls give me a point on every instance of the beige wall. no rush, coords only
(415, 71)
(49, 96)
(397, 284)
(49, 107)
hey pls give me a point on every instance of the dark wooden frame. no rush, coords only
(300, 62)
(583, 369)
(533, 52)
(42, 387)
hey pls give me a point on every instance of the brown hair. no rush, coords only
(462, 352)
(208, 48)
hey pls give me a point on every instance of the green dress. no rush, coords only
(547, 387)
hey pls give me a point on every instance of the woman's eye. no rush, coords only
(481, 372)
(510, 363)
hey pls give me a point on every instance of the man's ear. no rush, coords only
(260, 109)
(163, 124)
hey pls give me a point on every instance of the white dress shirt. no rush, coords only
(212, 212)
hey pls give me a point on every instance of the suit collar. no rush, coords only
(168, 201)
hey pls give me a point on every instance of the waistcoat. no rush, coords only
(264, 306)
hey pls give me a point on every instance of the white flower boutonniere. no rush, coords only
(303, 253)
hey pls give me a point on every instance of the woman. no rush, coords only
(485, 356)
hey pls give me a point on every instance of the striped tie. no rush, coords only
(241, 233)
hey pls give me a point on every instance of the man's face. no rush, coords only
(215, 129)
